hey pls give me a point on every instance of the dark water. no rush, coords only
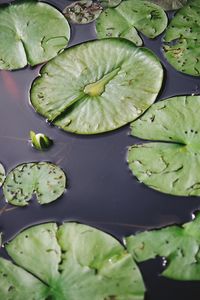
(101, 190)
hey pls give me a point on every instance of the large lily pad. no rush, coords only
(172, 168)
(110, 3)
(130, 16)
(84, 90)
(179, 245)
(31, 32)
(46, 180)
(71, 262)
(2, 174)
(170, 4)
(182, 39)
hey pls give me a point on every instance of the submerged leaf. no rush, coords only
(182, 39)
(46, 180)
(130, 16)
(170, 4)
(40, 141)
(172, 168)
(179, 245)
(84, 90)
(82, 12)
(71, 262)
(110, 3)
(31, 32)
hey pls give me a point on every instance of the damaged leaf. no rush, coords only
(179, 245)
(82, 12)
(130, 17)
(72, 261)
(31, 32)
(86, 91)
(46, 180)
(182, 39)
(171, 164)
(170, 4)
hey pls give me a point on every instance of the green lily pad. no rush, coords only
(110, 3)
(170, 4)
(178, 244)
(2, 174)
(31, 32)
(46, 180)
(130, 16)
(182, 39)
(172, 163)
(72, 261)
(84, 90)
(82, 12)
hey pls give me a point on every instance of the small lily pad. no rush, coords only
(82, 12)
(84, 90)
(46, 180)
(2, 174)
(73, 261)
(129, 17)
(171, 164)
(170, 4)
(31, 32)
(182, 39)
(110, 3)
(178, 244)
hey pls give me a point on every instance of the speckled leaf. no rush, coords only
(2, 174)
(169, 4)
(182, 39)
(179, 245)
(82, 12)
(84, 90)
(31, 32)
(130, 16)
(76, 262)
(172, 168)
(110, 3)
(46, 180)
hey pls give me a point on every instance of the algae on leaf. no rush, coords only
(31, 32)
(97, 86)
(129, 17)
(46, 180)
(170, 4)
(171, 164)
(182, 39)
(72, 261)
(180, 245)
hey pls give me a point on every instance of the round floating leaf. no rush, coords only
(130, 16)
(172, 168)
(71, 262)
(31, 32)
(46, 180)
(110, 3)
(182, 39)
(2, 174)
(84, 90)
(170, 4)
(179, 245)
(82, 12)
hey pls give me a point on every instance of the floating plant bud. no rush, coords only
(40, 141)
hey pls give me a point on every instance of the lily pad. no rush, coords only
(31, 32)
(84, 90)
(72, 261)
(130, 16)
(82, 12)
(46, 180)
(172, 165)
(170, 4)
(110, 3)
(178, 244)
(2, 174)
(182, 39)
